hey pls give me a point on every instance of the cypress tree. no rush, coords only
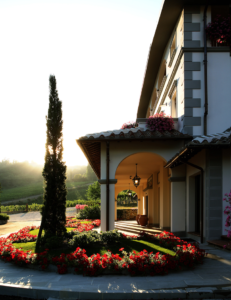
(54, 172)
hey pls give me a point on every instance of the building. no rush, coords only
(184, 172)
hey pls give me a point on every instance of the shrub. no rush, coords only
(4, 217)
(89, 238)
(227, 212)
(110, 237)
(89, 213)
(160, 122)
(51, 241)
(93, 191)
(85, 238)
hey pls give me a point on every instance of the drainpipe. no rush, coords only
(107, 190)
(205, 71)
(202, 197)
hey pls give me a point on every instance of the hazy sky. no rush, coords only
(97, 49)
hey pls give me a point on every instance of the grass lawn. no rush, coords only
(128, 245)
(37, 188)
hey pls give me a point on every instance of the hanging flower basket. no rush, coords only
(160, 122)
(219, 31)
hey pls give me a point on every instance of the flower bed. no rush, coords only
(141, 263)
(75, 223)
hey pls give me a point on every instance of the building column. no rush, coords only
(115, 210)
(178, 200)
(104, 204)
(164, 199)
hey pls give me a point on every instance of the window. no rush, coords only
(173, 46)
(173, 105)
(172, 51)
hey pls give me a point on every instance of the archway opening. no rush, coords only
(127, 205)
(153, 192)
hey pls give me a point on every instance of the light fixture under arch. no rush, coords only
(136, 179)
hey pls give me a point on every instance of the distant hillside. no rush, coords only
(22, 174)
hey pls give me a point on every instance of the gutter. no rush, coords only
(205, 71)
(202, 197)
(107, 188)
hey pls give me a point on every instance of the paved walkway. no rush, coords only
(210, 280)
(21, 220)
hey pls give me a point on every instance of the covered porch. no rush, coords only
(154, 188)
(113, 156)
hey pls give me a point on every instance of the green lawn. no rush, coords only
(128, 245)
(37, 188)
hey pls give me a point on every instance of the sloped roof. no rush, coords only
(217, 140)
(134, 133)
(90, 144)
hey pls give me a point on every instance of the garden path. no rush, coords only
(18, 221)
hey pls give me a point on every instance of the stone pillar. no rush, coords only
(103, 207)
(178, 200)
(112, 210)
(111, 206)
(115, 210)
(164, 198)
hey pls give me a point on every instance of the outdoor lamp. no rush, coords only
(136, 179)
(129, 191)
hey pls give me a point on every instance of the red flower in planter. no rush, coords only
(160, 122)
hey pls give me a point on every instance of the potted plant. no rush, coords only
(160, 122)
(219, 31)
(129, 125)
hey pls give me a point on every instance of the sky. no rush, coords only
(97, 50)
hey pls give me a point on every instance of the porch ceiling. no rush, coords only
(148, 163)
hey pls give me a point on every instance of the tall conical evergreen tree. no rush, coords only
(54, 172)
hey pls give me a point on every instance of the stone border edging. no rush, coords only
(183, 293)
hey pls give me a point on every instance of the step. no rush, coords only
(220, 243)
(128, 230)
(136, 230)
(224, 237)
(137, 227)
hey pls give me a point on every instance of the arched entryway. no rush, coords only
(126, 204)
(154, 189)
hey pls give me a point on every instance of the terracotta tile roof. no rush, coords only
(90, 144)
(212, 139)
(135, 133)
(216, 140)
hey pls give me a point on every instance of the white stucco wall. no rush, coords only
(166, 56)
(119, 151)
(219, 91)
(199, 18)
